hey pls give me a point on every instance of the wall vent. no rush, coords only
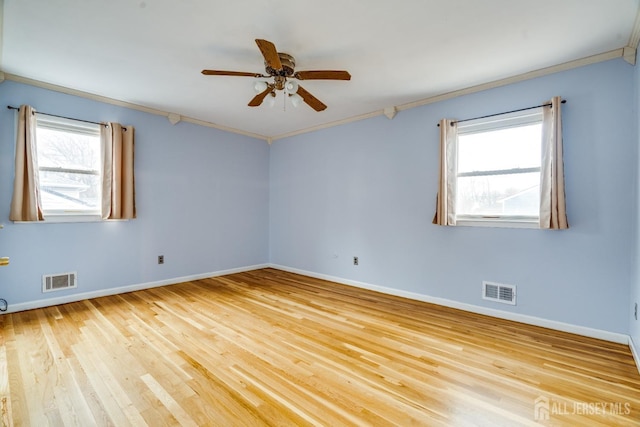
(499, 292)
(57, 282)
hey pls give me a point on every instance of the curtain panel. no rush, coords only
(445, 201)
(25, 202)
(553, 212)
(118, 184)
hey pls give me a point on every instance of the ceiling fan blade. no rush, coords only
(323, 75)
(229, 73)
(257, 100)
(270, 54)
(311, 100)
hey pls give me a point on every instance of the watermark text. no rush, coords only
(545, 408)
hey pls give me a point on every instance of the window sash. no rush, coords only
(70, 127)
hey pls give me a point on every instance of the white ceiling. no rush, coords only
(150, 53)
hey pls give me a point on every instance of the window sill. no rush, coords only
(59, 219)
(498, 222)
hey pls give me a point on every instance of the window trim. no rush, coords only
(488, 124)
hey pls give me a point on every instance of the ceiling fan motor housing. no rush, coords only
(288, 64)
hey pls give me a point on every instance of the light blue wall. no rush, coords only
(202, 198)
(368, 189)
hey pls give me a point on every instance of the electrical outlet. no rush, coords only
(160, 259)
(355, 260)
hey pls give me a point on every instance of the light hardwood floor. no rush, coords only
(274, 348)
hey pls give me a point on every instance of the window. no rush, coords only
(498, 168)
(503, 170)
(69, 167)
(62, 159)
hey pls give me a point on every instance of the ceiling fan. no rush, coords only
(281, 66)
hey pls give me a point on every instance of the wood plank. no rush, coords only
(269, 347)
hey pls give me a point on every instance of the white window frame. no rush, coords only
(78, 127)
(492, 123)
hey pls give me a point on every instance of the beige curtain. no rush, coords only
(445, 202)
(25, 202)
(553, 213)
(118, 190)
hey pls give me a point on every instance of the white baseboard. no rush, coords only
(123, 289)
(522, 318)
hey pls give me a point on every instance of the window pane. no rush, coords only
(510, 148)
(64, 191)
(509, 194)
(75, 184)
(68, 150)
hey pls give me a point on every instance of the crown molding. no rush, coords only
(112, 101)
(174, 118)
(390, 112)
(631, 50)
(606, 56)
(629, 54)
(624, 53)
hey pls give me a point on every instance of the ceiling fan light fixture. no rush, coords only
(291, 87)
(271, 100)
(296, 100)
(260, 86)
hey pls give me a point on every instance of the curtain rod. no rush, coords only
(64, 117)
(564, 101)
